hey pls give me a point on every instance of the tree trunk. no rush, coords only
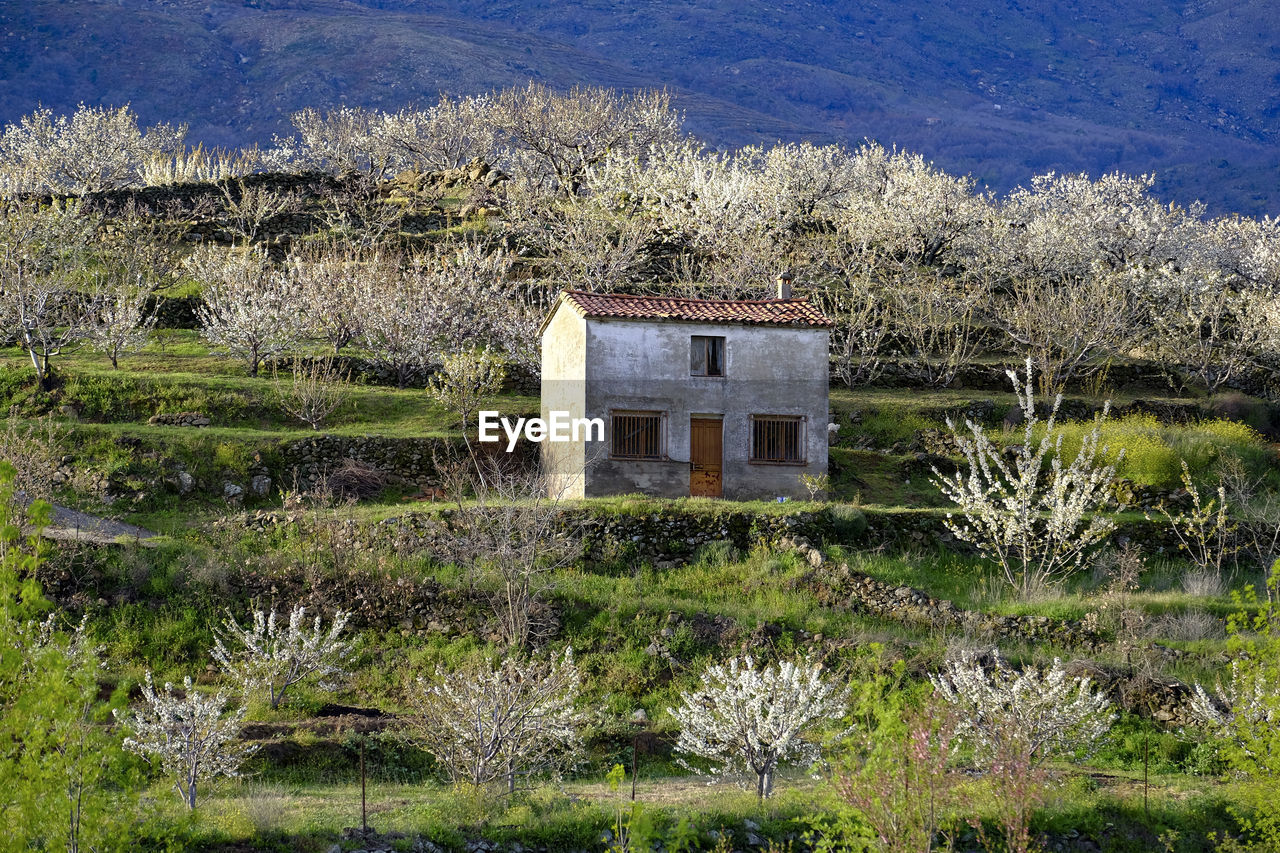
(40, 362)
(764, 783)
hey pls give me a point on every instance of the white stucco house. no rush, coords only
(702, 397)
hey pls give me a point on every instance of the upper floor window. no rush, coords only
(706, 355)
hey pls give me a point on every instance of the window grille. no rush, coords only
(636, 435)
(777, 439)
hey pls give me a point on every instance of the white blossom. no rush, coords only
(93, 149)
(1028, 714)
(1246, 700)
(275, 656)
(450, 134)
(116, 315)
(488, 723)
(1039, 524)
(747, 719)
(250, 309)
(189, 736)
(556, 137)
(42, 250)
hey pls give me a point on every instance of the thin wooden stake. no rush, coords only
(364, 810)
(635, 748)
(1146, 764)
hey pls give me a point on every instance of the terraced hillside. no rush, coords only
(191, 492)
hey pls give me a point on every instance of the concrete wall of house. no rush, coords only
(644, 366)
(564, 343)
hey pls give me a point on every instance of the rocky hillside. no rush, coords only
(1000, 89)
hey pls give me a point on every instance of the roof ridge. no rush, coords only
(759, 312)
(590, 293)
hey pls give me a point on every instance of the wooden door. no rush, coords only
(706, 455)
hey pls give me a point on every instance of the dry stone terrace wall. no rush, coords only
(410, 460)
(667, 539)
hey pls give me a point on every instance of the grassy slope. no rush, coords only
(610, 613)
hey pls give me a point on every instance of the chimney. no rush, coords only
(784, 284)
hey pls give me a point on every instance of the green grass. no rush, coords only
(1113, 808)
(124, 400)
(159, 606)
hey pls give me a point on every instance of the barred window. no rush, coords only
(636, 435)
(706, 355)
(777, 439)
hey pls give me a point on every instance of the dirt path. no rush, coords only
(73, 525)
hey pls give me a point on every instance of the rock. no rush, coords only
(260, 485)
(231, 491)
(185, 483)
(185, 419)
(639, 716)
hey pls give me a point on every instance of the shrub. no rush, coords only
(1189, 626)
(1154, 452)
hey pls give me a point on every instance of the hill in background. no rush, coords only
(1002, 90)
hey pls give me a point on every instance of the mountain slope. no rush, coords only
(1001, 89)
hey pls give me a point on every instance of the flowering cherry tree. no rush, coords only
(93, 149)
(1243, 713)
(1038, 522)
(487, 723)
(117, 314)
(749, 719)
(1015, 719)
(1028, 713)
(250, 309)
(188, 735)
(1245, 699)
(275, 656)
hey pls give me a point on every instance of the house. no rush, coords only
(703, 397)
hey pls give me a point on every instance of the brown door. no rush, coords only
(706, 453)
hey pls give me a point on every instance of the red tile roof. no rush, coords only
(751, 312)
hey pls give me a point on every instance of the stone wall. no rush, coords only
(1121, 377)
(408, 460)
(669, 536)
